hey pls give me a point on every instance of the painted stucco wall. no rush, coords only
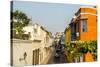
(36, 41)
(20, 47)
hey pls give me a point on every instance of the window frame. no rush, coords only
(84, 26)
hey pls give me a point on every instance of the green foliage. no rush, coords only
(81, 48)
(22, 19)
(90, 46)
(18, 21)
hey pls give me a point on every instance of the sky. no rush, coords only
(55, 17)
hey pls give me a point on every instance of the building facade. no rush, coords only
(34, 49)
(83, 27)
(84, 24)
(58, 36)
(67, 33)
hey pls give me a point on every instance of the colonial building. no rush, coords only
(84, 24)
(83, 27)
(58, 36)
(34, 49)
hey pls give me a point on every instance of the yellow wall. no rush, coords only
(67, 35)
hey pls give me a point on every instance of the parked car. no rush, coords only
(57, 55)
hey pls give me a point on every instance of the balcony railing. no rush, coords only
(73, 36)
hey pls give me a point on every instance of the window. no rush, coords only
(84, 26)
(47, 39)
(35, 30)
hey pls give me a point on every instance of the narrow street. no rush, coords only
(59, 34)
(57, 60)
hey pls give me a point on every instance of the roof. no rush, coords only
(88, 7)
(66, 29)
(43, 28)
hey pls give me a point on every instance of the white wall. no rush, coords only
(29, 29)
(22, 46)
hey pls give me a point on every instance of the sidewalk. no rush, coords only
(48, 57)
(51, 59)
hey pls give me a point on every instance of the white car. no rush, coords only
(57, 55)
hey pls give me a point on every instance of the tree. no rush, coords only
(18, 21)
(80, 49)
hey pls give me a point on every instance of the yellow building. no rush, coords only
(67, 35)
(67, 39)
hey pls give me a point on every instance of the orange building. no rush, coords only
(84, 24)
